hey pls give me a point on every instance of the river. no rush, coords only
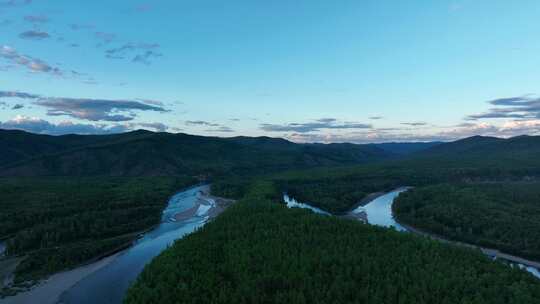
(379, 210)
(292, 203)
(109, 284)
(379, 213)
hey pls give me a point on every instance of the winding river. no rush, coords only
(107, 280)
(379, 212)
(109, 284)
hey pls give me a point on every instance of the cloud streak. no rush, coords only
(318, 125)
(41, 126)
(88, 108)
(221, 129)
(127, 49)
(146, 57)
(513, 107)
(34, 35)
(201, 123)
(510, 129)
(95, 109)
(213, 127)
(36, 19)
(16, 94)
(414, 124)
(35, 65)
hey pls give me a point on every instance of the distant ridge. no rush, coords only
(480, 151)
(145, 153)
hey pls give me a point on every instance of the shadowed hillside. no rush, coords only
(153, 154)
(478, 151)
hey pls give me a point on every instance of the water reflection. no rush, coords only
(379, 211)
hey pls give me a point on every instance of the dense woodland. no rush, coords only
(505, 216)
(259, 251)
(337, 190)
(89, 196)
(58, 223)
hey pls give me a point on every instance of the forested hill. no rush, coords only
(478, 151)
(19, 145)
(144, 153)
(258, 251)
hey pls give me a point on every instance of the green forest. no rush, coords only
(59, 223)
(503, 215)
(259, 251)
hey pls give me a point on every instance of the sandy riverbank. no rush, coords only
(220, 204)
(206, 205)
(49, 291)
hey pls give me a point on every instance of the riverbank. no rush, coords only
(361, 216)
(382, 214)
(220, 205)
(204, 207)
(373, 209)
(193, 207)
(49, 291)
(491, 252)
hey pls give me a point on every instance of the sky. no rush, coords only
(305, 70)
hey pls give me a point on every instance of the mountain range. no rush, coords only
(145, 153)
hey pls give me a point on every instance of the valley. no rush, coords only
(269, 152)
(93, 237)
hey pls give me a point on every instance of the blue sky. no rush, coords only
(327, 71)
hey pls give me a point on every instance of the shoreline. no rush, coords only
(212, 207)
(49, 291)
(490, 252)
(367, 199)
(362, 216)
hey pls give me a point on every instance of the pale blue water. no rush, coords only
(109, 284)
(379, 211)
(292, 203)
(535, 272)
